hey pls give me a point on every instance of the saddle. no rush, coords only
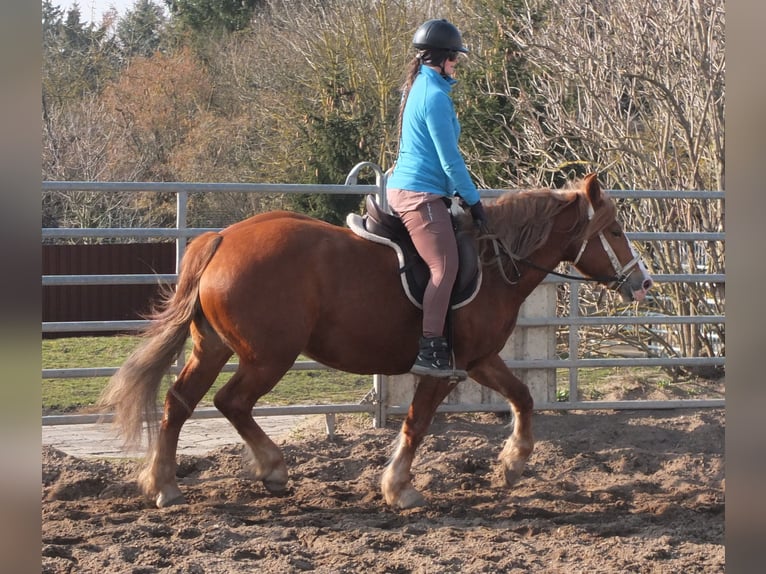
(381, 227)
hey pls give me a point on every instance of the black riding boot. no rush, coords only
(434, 359)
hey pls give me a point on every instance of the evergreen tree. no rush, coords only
(495, 75)
(141, 30)
(77, 59)
(212, 16)
(335, 141)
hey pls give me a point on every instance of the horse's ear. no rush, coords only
(592, 188)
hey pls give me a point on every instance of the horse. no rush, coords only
(280, 284)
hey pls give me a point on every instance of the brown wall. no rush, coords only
(102, 302)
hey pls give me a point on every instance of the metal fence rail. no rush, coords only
(181, 233)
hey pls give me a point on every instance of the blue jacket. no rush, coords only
(429, 159)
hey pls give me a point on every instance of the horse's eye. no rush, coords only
(616, 231)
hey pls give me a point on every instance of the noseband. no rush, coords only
(622, 271)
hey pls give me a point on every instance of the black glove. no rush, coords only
(479, 217)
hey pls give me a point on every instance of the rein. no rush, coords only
(499, 247)
(613, 281)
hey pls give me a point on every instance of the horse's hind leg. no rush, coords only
(395, 482)
(209, 355)
(493, 373)
(236, 400)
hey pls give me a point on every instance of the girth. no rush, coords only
(381, 227)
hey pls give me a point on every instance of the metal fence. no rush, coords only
(181, 233)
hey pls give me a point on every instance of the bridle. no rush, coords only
(622, 272)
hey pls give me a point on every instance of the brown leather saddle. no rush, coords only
(381, 227)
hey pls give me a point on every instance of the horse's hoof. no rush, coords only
(512, 473)
(171, 498)
(409, 498)
(276, 482)
(274, 487)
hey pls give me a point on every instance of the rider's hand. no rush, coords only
(479, 217)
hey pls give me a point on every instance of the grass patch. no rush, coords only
(636, 383)
(81, 394)
(332, 387)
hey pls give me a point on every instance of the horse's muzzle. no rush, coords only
(635, 286)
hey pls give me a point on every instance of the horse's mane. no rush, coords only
(523, 220)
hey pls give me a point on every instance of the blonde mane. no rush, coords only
(523, 220)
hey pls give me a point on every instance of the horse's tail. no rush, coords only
(132, 390)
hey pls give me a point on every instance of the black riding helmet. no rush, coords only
(438, 34)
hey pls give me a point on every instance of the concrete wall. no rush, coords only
(525, 343)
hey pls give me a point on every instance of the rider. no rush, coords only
(428, 170)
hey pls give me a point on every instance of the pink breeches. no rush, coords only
(430, 227)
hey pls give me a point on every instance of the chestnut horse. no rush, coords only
(280, 284)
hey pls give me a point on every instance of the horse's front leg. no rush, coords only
(395, 483)
(494, 374)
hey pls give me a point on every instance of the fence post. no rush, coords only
(536, 343)
(574, 338)
(379, 382)
(525, 343)
(182, 209)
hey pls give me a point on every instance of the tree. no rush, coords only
(303, 92)
(323, 79)
(492, 76)
(157, 103)
(77, 59)
(141, 30)
(213, 16)
(636, 92)
(147, 126)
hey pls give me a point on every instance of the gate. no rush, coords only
(530, 350)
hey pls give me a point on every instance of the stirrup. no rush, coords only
(454, 375)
